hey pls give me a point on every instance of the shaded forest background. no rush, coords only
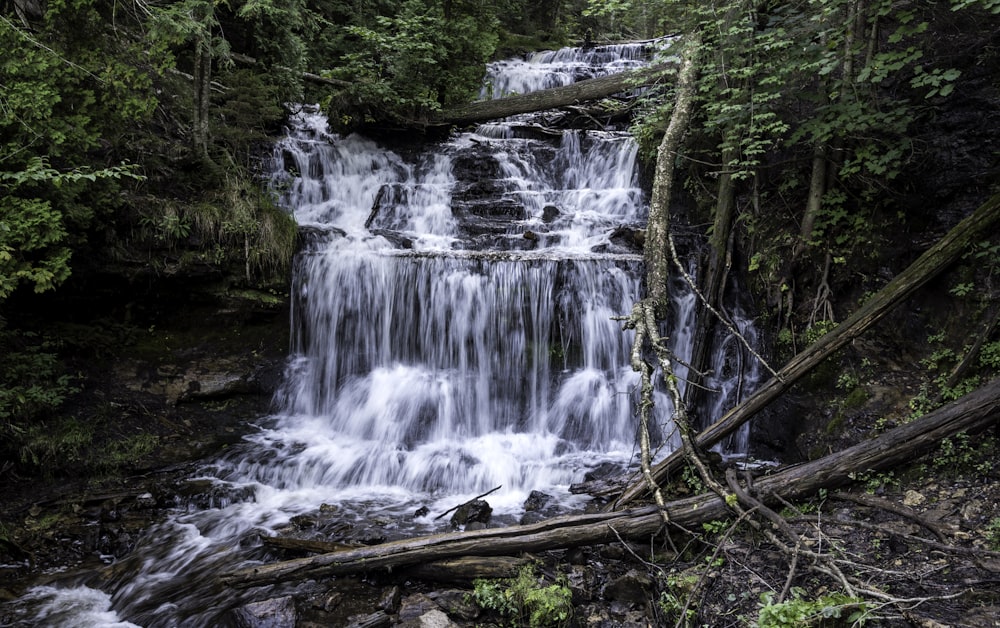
(831, 142)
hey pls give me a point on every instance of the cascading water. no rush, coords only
(453, 331)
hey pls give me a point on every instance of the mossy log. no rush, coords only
(934, 260)
(972, 412)
(574, 94)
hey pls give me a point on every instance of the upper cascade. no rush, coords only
(557, 68)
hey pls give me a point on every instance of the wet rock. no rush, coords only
(303, 522)
(456, 603)
(390, 599)
(423, 511)
(476, 511)
(431, 619)
(550, 213)
(536, 501)
(602, 471)
(414, 606)
(274, 613)
(629, 238)
(913, 498)
(537, 507)
(145, 500)
(371, 620)
(576, 556)
(582, 583)
(632, 588)
(328, 603)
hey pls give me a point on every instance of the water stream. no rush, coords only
(453, 331)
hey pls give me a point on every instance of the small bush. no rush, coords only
(522, 601)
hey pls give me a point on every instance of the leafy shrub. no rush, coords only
(523, 602)
(800, 611)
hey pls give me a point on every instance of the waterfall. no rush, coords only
(453, 330)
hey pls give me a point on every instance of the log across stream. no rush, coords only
(975, 411)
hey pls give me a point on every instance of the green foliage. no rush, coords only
(673, 600)
(801, 611)
(993, 534)
(67, 92)
(875, 481)
(414, 61)
(958, 455)
(522, 601)
(33, 386)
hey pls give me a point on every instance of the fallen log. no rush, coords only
(574, 94)
(468, 568)
(933, 261)
(304, 545)
(972, 412)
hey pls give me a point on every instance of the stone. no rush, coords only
(550, 213)
(456, 603)
(431, 619)
(913, 498)
(631, 588)
(273, 613)
(390, 599)
(537, 500)
(475, 511)
(415, 606)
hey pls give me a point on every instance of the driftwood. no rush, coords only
(927, 266)
(454, 508)
(581, 91)
(972, 412)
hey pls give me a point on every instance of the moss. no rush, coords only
(855, 399)
(835, 425)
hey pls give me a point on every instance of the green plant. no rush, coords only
(673, 600)
(993, 534)
(33, 385)
(691, 479)
(800, 611)
(957, 454)
(522, 601)
(874, 480)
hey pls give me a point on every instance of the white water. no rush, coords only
(433, 358)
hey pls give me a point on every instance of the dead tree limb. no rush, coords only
(453, 508)
(927, 266)
(974, 411)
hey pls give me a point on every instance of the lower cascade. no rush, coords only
(454, 331)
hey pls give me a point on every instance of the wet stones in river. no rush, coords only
(550, 213)
(473, 515)
(537, 507)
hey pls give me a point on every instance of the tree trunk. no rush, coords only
(927, 266)
(658, 225)
(713, 285)
(202, 96)
(975, 411)
(581, 91)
